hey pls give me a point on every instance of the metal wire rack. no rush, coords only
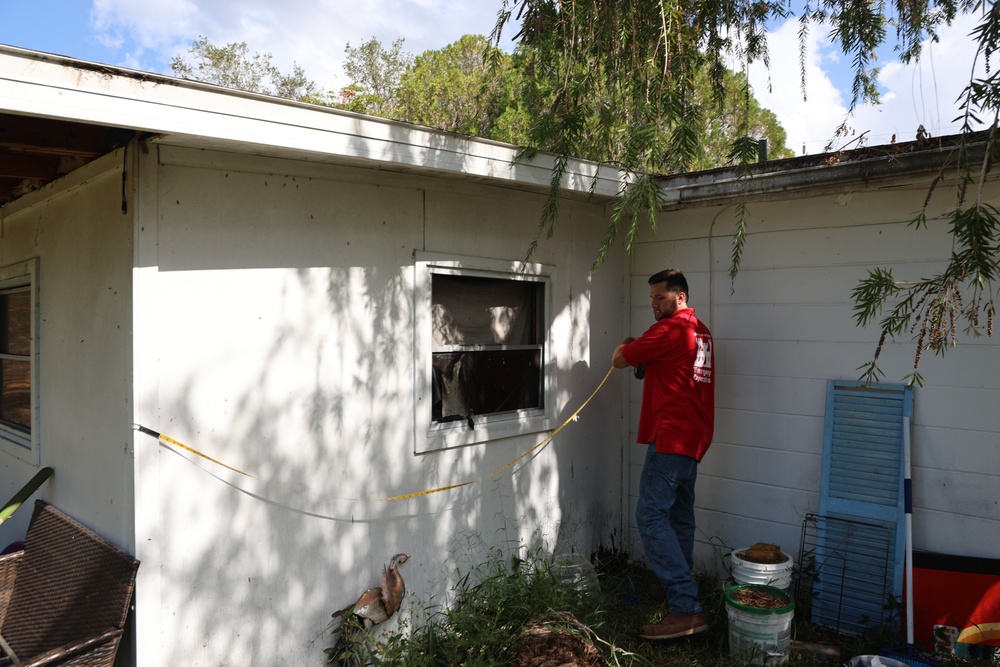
(843, 577)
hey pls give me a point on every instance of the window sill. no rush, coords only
(448, 435)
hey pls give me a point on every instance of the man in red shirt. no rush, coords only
(676, 423)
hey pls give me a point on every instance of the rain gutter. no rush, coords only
(879, 167)
(193, 113)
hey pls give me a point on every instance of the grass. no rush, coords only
(495, 602)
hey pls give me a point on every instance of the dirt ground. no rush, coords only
(557, 639)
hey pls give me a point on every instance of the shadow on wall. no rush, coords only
(254, 567)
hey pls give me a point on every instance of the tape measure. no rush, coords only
(416, 494)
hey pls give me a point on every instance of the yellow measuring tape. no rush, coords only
(192, 450)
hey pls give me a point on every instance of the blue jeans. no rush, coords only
(665, 517)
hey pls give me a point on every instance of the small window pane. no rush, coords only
(487, 345)
(15, 332)
(15, 393)
(18, 398)
(470, 310)
(486, 382)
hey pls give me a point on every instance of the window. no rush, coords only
(482, 352)
(17, 354)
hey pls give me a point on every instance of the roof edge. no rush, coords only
(817, 173)
(45, 85)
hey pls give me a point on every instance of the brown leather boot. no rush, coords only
(674, 625)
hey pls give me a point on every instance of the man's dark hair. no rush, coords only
(675, 280)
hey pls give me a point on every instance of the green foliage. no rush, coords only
(353, 98)
(495, 601)
(472, 87)
(962, 295)
(450, 88)
(374, 72)
(492, 605)
(232, 66)
(643, 85)
(537, 98)
(743, 153)
(933, 309)
(639, 196)
(730, 135)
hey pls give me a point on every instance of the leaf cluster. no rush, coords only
(642, 86)
(932, 310)
(232, 66)
(621, 82)
(375, 73)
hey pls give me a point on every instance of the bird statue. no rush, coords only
(374, 606)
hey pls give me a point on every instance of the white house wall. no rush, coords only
(274, 310)
(82, 239)
(784, 328)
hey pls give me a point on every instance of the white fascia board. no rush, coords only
(37, 84)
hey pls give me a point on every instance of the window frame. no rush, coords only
(432, 436)
(14, 441)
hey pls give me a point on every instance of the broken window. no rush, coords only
(481, 350)
(487, 346)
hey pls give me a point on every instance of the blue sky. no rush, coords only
(54, 26)
(922, 93)
(145, 34)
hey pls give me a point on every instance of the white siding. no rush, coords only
(83, 242)
(786, 329)
(282, 298)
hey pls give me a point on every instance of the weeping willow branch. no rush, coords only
(931, 310)
(622, 84)
(964, 292)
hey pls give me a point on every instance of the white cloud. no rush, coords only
(311, 33)
(916, 94)
(148, 25)
(809, 116)
(924, 93)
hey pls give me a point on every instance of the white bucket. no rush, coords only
(778, 575)
(759, 636)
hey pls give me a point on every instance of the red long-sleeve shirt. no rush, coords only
(678, 391)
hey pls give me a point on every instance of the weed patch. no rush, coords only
(512, 611)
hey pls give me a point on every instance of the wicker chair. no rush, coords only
(65, 597)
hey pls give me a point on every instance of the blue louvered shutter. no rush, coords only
(862, 495)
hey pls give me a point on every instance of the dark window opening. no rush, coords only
(488, 350)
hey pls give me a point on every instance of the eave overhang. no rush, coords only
(875, 167)
(47, 95)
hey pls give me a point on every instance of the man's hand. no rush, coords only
(617, 359)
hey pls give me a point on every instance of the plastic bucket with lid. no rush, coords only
(778, 575)
(759, 635)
